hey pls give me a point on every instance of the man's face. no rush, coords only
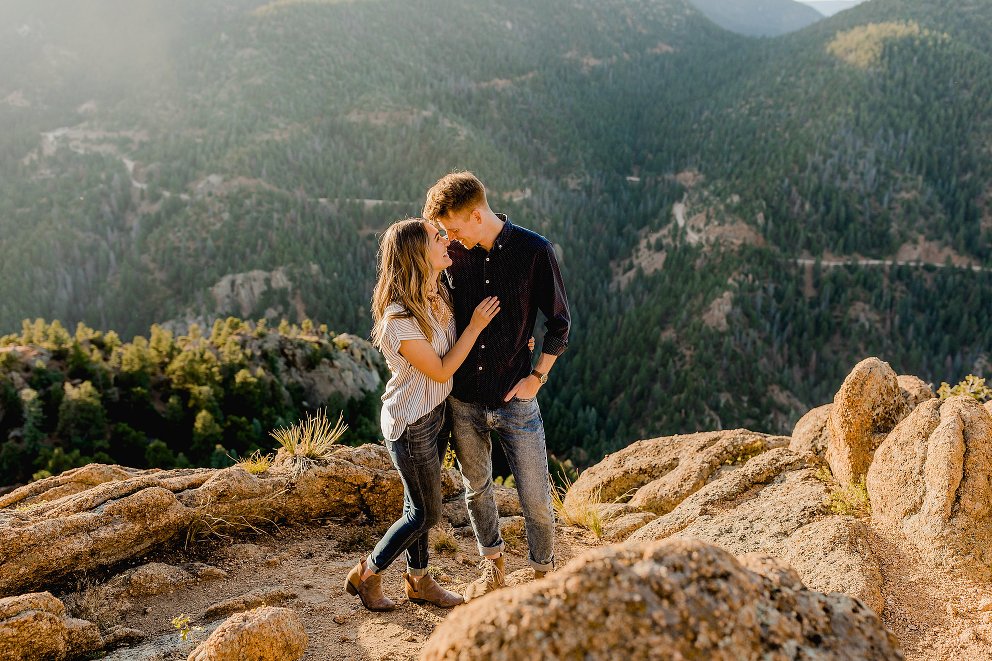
(462, 226)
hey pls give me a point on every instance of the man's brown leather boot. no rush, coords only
(493, 578)
(426, 591)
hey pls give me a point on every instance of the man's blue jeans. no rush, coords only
(521, 432)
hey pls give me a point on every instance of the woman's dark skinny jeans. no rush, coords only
(416, 456)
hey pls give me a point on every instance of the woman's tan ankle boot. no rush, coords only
(369, 590)
(426, 590)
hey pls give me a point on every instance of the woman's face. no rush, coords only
(437, 249)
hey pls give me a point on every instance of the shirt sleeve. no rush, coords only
(398, 329)
(553, 303)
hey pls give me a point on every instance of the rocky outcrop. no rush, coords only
(914, 390)
(932, 481)
(263, 634)
(35, 626)
(867, 406)
(669, 599)
(811, 435)
(750, 509)
(835, 555)
(122, 592)
(136, 511)
(254, 599)
(68, 483)
(656, 475)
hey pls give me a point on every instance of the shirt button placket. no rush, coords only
(486, 292)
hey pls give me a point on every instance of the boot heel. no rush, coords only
(349, 588)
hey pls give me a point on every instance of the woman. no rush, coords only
(414, 328)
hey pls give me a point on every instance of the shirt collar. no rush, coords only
(504, 234)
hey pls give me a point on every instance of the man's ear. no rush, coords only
(476, 215)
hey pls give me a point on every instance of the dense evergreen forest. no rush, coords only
(165, 401)
(716, 199)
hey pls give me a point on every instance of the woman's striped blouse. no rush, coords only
(410, 394)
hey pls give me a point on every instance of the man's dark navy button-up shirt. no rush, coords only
(522, 270)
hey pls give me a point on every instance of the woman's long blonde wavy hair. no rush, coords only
(405, 277)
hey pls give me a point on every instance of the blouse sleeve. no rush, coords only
(398, 329)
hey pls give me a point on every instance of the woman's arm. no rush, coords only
(421, 354)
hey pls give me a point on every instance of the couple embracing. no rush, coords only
(454, 309)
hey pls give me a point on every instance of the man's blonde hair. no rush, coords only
(453, 192)
(405, 277)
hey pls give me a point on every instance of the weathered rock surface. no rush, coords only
(812, 433)
(754, 508)
(263, 634)
(658, 474)
(835, 555)
(932, 481)
(867, 406)
(68, 483)
(620, 528)
(124, 517)
(669, 599)
(247, 601)
(915, 391)
(35, 626)
(773, 505)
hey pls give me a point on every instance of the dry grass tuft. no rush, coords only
(309, 441)
(585, 514)
(88, 602)
(442, 541)
(851, 499)
(256, 463)
(253, 518)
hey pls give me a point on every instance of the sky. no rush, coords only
(831, 7)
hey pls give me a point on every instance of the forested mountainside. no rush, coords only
(161, 400)
(708, 192)
(759, 18)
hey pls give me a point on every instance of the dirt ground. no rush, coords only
(935, 615)
(311, 562)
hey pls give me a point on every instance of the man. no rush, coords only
(496, 387)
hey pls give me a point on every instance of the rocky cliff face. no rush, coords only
(725, 545)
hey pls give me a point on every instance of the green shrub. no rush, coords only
(972, 386)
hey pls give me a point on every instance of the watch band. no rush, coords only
(541, 376)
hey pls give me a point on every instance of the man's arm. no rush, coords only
(553, 303)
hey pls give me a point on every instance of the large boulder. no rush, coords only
(262, 634)
(835, 554)
(932, 480)
(678, 599)
(656, 475)
(915, 390)
(35, 626)
(811, 435)
(751, 509)
(68, 483)
(127, 516)
(866, 408)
